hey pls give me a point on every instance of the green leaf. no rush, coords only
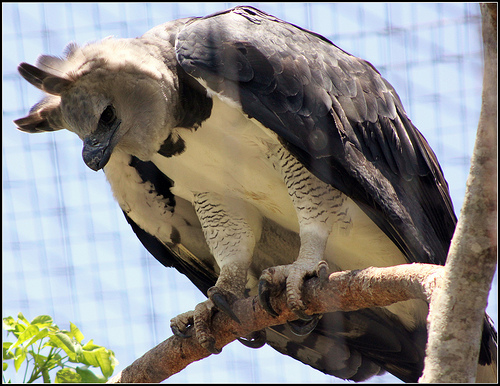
(22, 318)
(7, 354)
(88, 376)
(68, 375)
(89, 346)
(13, 326)
(9, 323)
(90, 358)
(19, 357)
(6, 345)
(29, 333)
(76, 333)
(43, 320)
(101, 357)
(5, 365)
(64, 342)
(70, 342)
(39, 359)
(105, 363)
(41, 334)
(114, 361)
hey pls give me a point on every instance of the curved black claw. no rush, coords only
(177, 332)
(256, 339)
(302, 315)
(220, 299)
(304, 327)
(183, 324)
(209, 344)
(265, 297)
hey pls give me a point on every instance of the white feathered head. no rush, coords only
(114, 94)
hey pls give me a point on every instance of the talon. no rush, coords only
(177, 332)
(198, 322)
(256, 339)
(182, 324)
(223, 305)
(265, 297)
(291, 277)
(209, 344)
(302, 315)
(322, 272)
(303, 328)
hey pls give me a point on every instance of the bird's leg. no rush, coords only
(309, 263)
(230, 228)
(318, 206)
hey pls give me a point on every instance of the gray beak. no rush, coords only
(98, 147)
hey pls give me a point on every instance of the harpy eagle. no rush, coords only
(239, 147)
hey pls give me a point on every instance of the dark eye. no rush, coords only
(108, 116)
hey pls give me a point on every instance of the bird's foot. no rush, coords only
(198, 320)
(291, 278)
(223, 300)
(201, 318)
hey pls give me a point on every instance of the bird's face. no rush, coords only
(115, 105)
(117, 111)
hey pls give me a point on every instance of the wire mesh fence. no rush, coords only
(67, 249)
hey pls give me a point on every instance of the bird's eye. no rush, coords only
(108, 116)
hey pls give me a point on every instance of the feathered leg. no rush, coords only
(230, 228)
(318, 207)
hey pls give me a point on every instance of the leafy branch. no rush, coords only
(42, 346)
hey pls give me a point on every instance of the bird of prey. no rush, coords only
(241, 147)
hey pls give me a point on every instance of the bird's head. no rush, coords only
(115, 94)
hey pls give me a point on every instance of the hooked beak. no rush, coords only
(98, 146)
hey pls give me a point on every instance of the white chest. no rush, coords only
(228, 155)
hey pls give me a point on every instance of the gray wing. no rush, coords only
(335, 113)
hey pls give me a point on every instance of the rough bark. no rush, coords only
(347, 290)
(456, 311)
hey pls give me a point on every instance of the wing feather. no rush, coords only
(334, 112)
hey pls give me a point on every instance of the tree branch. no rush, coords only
(456, 313)
(346, 291)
